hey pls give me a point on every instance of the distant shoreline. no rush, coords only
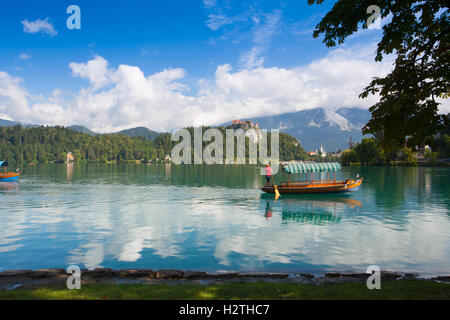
(139, 162)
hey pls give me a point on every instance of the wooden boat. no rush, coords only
(310, 185)
(315, 187)
(8, 176)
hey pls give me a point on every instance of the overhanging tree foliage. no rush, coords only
(418, 34)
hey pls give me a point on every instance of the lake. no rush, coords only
(215, 218)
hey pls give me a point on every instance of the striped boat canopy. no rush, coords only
(3, 164)
(312, 167)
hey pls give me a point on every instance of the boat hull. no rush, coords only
(9, 176)
(315, 188)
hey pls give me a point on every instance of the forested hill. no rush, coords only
(21, 145)
(132, 132)
(46, 144)
(140, 132)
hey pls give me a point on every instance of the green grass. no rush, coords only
(239, 291)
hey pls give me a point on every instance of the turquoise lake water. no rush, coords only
(215, 218)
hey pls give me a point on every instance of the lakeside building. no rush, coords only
(319, 152)
(247, 124)
(70, 157)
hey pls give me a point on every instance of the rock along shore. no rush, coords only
(29, 278)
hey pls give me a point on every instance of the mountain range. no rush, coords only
(133, 132)
(313, 128)
(8, 123)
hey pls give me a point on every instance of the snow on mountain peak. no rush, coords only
(333, 117)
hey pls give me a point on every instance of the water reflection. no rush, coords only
(391, 185)
(314, 209)
(9, 186)
(232, 176)
(164, 216)
(167, 171)
(69, 171)
(269, 209)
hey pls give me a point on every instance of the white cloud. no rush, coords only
(96, 70)
(39, 26)
(144, 230)
(266, 26)
(217, 21)
(13, 97)
(251, 59)
(122, 97)
(209, 3)
(24, 56)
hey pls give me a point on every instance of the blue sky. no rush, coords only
(151, 34)
(253, 39)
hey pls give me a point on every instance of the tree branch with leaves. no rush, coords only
(418, 34)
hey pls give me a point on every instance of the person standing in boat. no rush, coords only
(268, 174)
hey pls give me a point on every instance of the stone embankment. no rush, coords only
(28, 278)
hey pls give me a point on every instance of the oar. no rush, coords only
(277, 194)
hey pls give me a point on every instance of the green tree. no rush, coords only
(369, 152)
(418, 34)
(406, 155)
(348, 156)
(61, 157)
(441, 143)
(42, 144)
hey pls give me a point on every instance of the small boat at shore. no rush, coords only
(309, 185)
(8, 176)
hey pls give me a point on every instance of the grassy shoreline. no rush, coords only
(390, 290)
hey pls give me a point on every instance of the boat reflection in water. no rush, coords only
(313, 209)
(9, 186)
